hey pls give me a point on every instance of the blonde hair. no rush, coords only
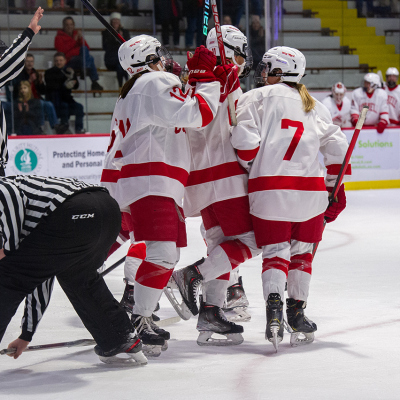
(30, 95)
(307, 100)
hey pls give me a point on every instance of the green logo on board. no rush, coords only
(26, 160)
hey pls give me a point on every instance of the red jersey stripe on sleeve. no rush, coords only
(205, 110)
(247, 155)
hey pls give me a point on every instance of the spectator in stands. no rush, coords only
(257, 40)
(28, 111)
(370, 8)
(29, 73)
(226, 20)
(193, 11)
(375, 98)
(70, 42)
(168, 13)
(393, 92)
(129, 7)
(236, 9)
(338, 105)
(60, 80)
(111, 46)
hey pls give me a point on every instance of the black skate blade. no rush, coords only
(125, 359)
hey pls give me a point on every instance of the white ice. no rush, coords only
(354, 299)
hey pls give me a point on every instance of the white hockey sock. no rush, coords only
(298, 284)
(214, 292)
(273, 281)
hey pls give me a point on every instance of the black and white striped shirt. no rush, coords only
(11, 64)
(24, 201)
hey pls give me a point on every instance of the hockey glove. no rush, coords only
(228, 78)
(337, 206)
(354, 119)
(381, 126)
(201, 66)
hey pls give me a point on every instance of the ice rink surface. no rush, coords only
(354, 300)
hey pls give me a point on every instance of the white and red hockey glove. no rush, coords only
(337, 206)
(201, 66)
(228, 78)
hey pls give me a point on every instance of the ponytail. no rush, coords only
(307, 100)
(129, 83)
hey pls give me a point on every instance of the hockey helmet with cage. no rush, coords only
(291, 63)
(392, 71)
(338, 92)
(235, 44)
(392, 75)
(374, 81)
(136, 55)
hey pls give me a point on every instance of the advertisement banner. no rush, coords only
(78, 156)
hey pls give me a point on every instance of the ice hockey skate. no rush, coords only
(128, 301)
(274, 330)
(127, 353)
(236, 303)
(187, 281)
(301, 328)
(213, 321)
(154, 338)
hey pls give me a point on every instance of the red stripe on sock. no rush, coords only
(301, 262)
(236, 251)
(224, 277)
(275, 263)
(153, 275)
(137, 250)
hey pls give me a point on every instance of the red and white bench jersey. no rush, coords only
(340, 114)
(376, 102)
(394, 104)
(215, 173)
(149, 151)
(286, 181)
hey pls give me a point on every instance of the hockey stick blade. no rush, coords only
(167, 321)
(74, 343)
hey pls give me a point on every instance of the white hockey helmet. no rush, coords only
(136, 54)
(373, 79)
(235, 44)
(291, 63)
(392, 71)
(338, 92)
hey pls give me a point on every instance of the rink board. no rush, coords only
(375, 160)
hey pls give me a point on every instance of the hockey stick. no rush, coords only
(74, 343)
(110, 29)
(206, 13)
(112, 267)
(220, 40)
(345, 164)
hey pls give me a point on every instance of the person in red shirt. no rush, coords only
(70, 42)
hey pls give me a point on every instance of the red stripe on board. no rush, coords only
(315, 184)
(205, 110)
(247, 155)
(214, 173)
(155, 168)
(301, 262)
(153, 275)
(334, 169)
(275, 263)
(110, 175)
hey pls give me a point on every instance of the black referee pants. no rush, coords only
(71, 244)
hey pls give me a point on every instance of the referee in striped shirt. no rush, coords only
(12, 61)
(64, 228)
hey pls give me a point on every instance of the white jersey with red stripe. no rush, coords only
(376, 102)
(215, 173)
(149, 151)
(340, 114)
(394, 104)
(286, 181)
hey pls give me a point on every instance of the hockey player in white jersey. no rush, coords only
(217, 189)
(375, 98)
(148, 160)
(338, 105)
(393, 92)
(284, 128)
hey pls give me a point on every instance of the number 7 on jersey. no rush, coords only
(286, 124)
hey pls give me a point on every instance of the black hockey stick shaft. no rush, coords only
(112, 267)
(74, 343)
(110, 29)
(345, 164)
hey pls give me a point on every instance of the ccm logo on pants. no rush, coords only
(83, 216)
